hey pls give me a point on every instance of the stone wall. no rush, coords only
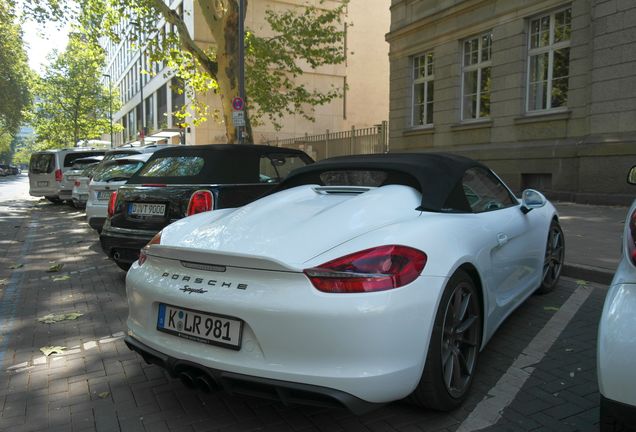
(581, 153)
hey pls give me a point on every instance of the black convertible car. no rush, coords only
(182, 181)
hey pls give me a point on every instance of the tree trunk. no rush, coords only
(222, 18)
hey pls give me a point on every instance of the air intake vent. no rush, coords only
(342, 190)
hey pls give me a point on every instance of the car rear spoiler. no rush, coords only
(206, 260)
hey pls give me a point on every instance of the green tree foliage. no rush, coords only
(296, 39)
(72, 103)
(15, 74)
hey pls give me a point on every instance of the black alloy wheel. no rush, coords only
(553, 261)
(460, 337)
(454, 347)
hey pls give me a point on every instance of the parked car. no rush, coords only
(108, 178)
(184, 180)
(616, 348)
(361, 280)
(46, 172)
(77, 176)
(129, 151)
(6, 170)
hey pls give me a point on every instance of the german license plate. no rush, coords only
(200, 326)
(43, 183)
(103, 195)
(146, 209)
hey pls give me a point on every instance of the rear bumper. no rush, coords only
(96, 223)
(65, 194)
(124, 246)
(289, 393)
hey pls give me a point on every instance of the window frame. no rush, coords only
(479, 66)
(550, 48)
(415, 81)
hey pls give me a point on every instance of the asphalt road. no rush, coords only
(537, 373)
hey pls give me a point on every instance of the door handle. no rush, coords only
(502, 239)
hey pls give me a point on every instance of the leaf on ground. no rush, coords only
(551, 308)
(16, 266)
(48, 350)
(581, 282)
(55, 268)
(61, 278)
(53, 318)
(103, 395)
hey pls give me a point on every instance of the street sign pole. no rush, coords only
(241, 31)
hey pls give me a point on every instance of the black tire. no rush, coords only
(445, 383)
(54, 200)
(553, 259)
(125, 266)
(609, 423)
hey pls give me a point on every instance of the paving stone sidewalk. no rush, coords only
(98, 384)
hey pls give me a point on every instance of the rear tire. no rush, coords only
(454, 347)
(123, 265)
(609, 423)
(553, 260)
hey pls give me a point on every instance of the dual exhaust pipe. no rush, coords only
(194, 378)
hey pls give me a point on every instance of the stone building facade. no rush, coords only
(544, 92)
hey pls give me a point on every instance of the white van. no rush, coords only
(46, 172)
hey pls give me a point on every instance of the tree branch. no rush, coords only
(187, 43)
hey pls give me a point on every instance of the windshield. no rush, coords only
(117, 172)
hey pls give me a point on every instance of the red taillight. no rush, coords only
(376, 269)
(200, 201)
(142, 253)
(111, 204)
(58, 175)
(631, 241)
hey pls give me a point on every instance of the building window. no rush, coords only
(549, 60)
(423, 84)
(476, 77)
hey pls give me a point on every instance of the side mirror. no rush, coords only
(532, 199)
(631, 176)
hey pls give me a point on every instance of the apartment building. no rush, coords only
(544, 91)
(364, 77)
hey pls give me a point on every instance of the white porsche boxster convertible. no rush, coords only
(361, 280)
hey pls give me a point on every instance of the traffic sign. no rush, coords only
(238, 104)
(238, 118)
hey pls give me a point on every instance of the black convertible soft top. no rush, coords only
(436, 175)
(223, 163)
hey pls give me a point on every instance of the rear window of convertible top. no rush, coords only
(175, 166)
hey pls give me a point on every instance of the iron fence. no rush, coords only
(369, 140)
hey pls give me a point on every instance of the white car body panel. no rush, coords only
(96, 208)
(80, 192)
(616, 333)
(370, 345)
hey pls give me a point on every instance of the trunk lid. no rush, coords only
(298, 224)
